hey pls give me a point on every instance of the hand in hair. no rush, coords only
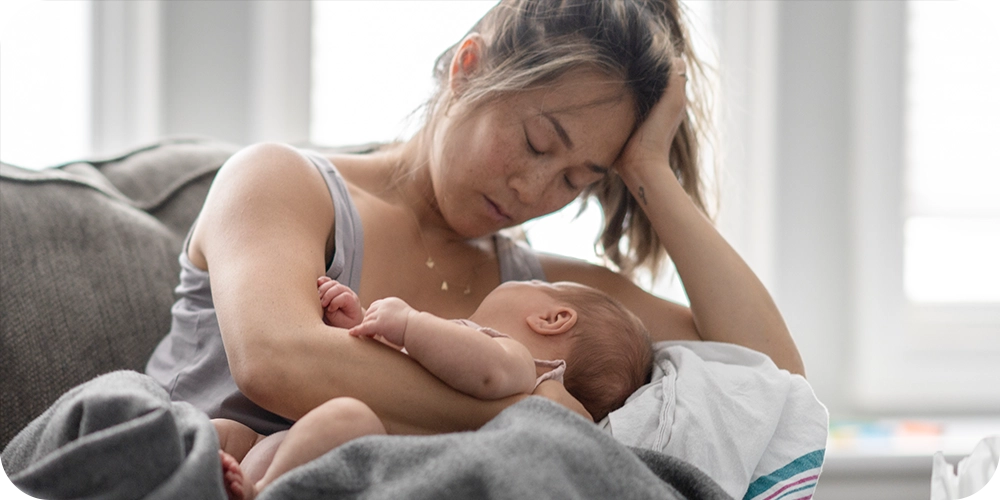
(649, 146)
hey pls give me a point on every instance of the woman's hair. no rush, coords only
(611, 355)
(530, 43)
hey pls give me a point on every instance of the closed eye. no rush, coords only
(531, 147)
(569, 183)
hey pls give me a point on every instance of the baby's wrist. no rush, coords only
(411, 315)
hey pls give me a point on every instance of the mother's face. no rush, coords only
(528, 154)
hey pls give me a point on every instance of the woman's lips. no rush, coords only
(496, 212)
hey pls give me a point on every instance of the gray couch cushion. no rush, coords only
(88, 262)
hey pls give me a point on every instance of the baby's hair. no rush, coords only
(611, 356)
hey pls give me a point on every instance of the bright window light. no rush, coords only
(952, 232)
(952, 259)
(373, 62)
(44, 82)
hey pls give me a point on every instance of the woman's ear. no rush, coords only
(466, 62)
(557, 320)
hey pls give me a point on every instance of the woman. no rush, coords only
(541, 102)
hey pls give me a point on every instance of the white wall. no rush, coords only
(812, 239)
(786, 162)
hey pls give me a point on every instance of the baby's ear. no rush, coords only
(555, 321)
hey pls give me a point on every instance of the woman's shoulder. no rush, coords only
(563, 268)
(272, 169)
(260, 187)
(259, 165)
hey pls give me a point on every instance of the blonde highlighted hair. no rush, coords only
(530, 43)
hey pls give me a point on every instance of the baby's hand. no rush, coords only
(341, 305)
(386, 317)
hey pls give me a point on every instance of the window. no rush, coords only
(44, 81)
(952, 204)
(928, 207)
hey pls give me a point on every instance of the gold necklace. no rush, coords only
(467, 290)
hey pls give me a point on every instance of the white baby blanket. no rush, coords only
(757, 430)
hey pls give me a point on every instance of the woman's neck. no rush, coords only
(412, 187)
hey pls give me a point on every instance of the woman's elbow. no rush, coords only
(794, 365)
(256, 374)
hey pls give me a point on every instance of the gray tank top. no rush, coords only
(190, 362)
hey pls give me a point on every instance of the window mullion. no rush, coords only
(126, 74)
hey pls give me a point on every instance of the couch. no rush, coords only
(88, 263)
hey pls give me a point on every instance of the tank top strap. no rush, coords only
(348, 233)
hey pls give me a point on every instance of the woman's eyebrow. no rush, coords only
(598, 169)
(564, 137)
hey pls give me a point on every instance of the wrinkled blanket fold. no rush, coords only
(119, 436)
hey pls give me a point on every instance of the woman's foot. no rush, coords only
(238, 487)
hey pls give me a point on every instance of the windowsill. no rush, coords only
(897, 438)
(889, 459)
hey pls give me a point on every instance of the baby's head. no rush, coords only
(611, 353)
(607, 349)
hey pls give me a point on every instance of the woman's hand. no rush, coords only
(649, 146)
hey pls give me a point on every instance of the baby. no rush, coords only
(522, 334)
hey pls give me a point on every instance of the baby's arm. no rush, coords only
(467, 360)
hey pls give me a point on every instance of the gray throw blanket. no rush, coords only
(119, 436)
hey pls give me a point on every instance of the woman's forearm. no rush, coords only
(728, 301)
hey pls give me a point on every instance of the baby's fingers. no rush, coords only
(362, 330)
(324, 286)
(332, 290)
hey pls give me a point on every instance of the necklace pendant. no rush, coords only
(429, 263)
(444, 286)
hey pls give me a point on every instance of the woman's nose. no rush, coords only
(530, 184)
